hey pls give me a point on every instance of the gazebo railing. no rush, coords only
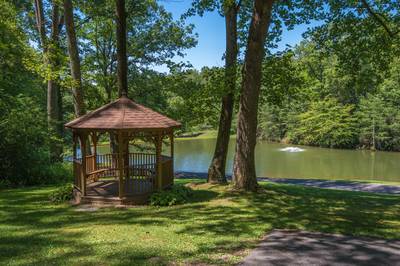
(140, 175)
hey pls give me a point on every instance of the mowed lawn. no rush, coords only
(219, 226)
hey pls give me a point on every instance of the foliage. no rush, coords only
(216, 227)
(24, 147)
(178, 194)
(23, 128)
(379, 115)
(193, 97)
(327, 123)
(153, 39)
(350, 60)
(62, 194)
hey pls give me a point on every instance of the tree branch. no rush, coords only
(40, 24)
(378, 18)
(238, 5)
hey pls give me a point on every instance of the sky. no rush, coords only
(211, 36)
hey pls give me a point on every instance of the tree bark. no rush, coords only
(122, 68)
(77, 91)
(54, 102)
(40, 24)
(216, 171)
(244, 174)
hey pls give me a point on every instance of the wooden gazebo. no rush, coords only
(124, 177)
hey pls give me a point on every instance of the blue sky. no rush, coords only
(211, 35)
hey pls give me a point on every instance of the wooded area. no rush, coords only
(339, 88)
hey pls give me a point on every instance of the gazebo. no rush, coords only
(122, 177)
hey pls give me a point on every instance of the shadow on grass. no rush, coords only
(214, 227)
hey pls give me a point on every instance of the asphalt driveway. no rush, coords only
(285, 247)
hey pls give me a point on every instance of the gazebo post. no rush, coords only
(171, 140)
(94, 140)
(120, 164)
(158, 161)
(83, 137)
(126, 163)
(76, 177)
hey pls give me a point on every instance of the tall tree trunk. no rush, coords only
(77, 91)
(244, 174)
(122, 66)
(40, 24)
(216, 171)
(54, 101)
(50, 49)
(75, 66)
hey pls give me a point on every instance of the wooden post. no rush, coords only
(76, 177)
(126, 163)
(158, 162)
(120, 164)
(83, 137)
(171, 140)
(94, 140)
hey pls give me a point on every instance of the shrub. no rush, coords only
(178, 194)
(62, 194)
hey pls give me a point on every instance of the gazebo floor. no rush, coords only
(106, 192)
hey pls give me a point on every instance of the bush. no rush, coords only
(24, 156)
(178, 194)
(62, 194)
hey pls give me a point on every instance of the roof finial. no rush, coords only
(124, 93)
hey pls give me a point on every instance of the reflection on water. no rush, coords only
(272, 161)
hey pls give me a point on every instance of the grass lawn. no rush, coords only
(219, 226)
(205, 134)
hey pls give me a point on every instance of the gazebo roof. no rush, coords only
(123, 114)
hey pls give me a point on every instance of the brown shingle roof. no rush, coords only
(123, 114)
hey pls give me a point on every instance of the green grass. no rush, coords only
(218, 226)
(205, 134)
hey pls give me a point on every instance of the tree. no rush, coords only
(24, 150)
(326, 123)
(244, 174)
(378, 114)
(153, 39)
(50, 48)
(122, 66)
(75, 65)
(216, 171)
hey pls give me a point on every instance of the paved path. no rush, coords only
(330, 184)
(282, 247)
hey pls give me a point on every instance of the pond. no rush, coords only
(291, 161)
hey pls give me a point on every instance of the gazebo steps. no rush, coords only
(139, 199)
(132, 200)
(100, 200)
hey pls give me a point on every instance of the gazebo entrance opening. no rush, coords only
(127, 175)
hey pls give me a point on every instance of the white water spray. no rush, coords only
(292, 149)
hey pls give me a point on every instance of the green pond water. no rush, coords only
(279, 160)
(291, 161)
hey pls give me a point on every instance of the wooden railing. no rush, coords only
(90, 163)
(109, 162)
(141, 173)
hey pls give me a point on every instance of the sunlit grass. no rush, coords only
(218, 226)
(205, 134)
